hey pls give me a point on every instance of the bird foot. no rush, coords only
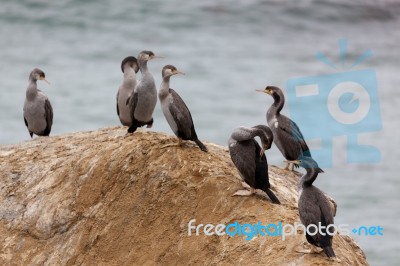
(243, 192)
(245, 185)
(170, 145)
(179, 144)
(335, 259)
(308, 249)
(128, 134)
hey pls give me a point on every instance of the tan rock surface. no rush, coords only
(100, 198)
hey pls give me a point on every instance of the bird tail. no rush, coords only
(329, 251)
(201, 145)
(272, 196)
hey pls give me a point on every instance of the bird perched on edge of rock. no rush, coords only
(175, 110)
(143, 100)
(38, 113)
(315, 208)
(250, 160)
(129, 67)
(287, 135)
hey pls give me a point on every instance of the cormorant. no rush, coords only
(287, 135)
(38, 113)
(129, 67)
(143, 100)
(314, 207)
(175, 110)
(250, 160)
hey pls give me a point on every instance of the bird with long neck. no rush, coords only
(287, 135)
(250, 160)
(129, 67)
(38, 112)
(315, 208)
(175, 110)
(144, 99)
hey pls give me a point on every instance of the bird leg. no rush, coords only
(288, 164)
(179, 144)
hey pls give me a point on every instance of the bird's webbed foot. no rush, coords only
(178, 144)
(307, 248)
(243, 192)
(150, 123)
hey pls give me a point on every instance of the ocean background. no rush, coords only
(227, 49)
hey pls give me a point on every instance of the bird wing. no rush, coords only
(243, 157)
(292, 133)
(26, 122)
(132, 100)
(261, 173)
(48, 110)
(181, 116)
(117, 103)
(326, 210)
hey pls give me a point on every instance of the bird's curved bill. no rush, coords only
(179, 72)
(261, 91)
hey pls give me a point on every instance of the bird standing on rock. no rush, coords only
(287, 135)
(315, 208)
(129, 67)
(250, 160)
(38, 113)
(175, 110)
(143, 100)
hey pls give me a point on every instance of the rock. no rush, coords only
(103, 198)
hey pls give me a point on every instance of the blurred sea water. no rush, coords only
(227, 49)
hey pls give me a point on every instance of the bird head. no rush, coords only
(307, 163)
(170, 70)
(38, 74)
(132, 62)
(147, 55)
(271, 90)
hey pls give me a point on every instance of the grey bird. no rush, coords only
(315, 207)
(143, 100)
(129, 67)
(250, 160)
(38, 113)
(287, 135)
(175, 110)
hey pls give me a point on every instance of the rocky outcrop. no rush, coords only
(103, 198)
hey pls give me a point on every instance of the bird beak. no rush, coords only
(179, 72)
(264, 91)
(45, 80)
(156, 56)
